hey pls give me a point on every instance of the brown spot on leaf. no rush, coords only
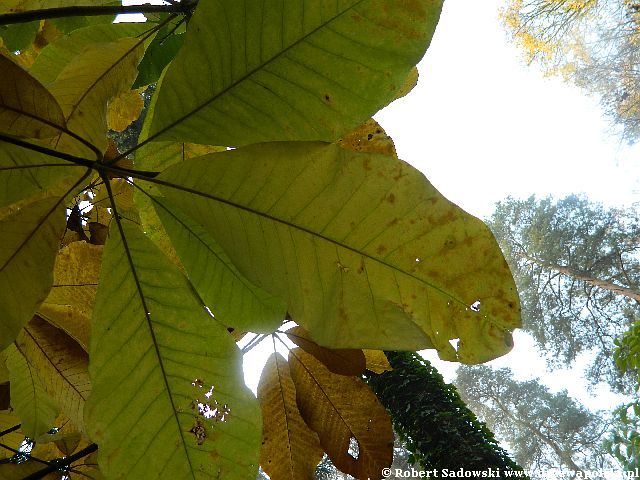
(199, 432)
(381, 249)
(391, 198)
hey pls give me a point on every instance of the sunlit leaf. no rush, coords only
(290, 450)
(36, 409)
(60, 364)
(124, 110)
(342, 410)
(377, 361)
(305, 71)
(369, 137)
(340, 361)
(27, 109)
(364, 249)
(28, 247)
(233, 299)
(155, 356)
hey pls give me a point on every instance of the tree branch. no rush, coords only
(60, 463)
(185, 7)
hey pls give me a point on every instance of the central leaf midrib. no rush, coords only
(248, 75)
(305, 230)
(147, 316)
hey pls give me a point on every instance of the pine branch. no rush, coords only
(183, 7)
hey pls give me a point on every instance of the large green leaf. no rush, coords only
(27, 109)
(36, 409)
(301, 70)
(24, 173)
(155, 354)
(28, 245)
(234, 300)
(366, 252)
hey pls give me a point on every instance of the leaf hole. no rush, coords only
(475, 306)
(455, 342)
(354, 448)
(418, 260)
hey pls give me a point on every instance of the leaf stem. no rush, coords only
(185, 7)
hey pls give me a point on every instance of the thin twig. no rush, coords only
(63, 462)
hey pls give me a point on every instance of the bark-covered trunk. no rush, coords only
(439, 429)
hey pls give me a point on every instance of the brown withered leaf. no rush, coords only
(341, 409)
(344, 361)
(290, 450)
(376, 361)
(60, 364)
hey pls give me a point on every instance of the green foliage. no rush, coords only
(623, 442)
(578, 275)
(429, 415)
(545, 430)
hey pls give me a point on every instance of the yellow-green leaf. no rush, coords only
(28, 246)
(124, 110)
(27, 109)
(168, 399)
(85, 86)
(60, 364)
(36, 409)
(290, 450)
(69, 305)
(381, 259)
(24, 173)
(233, 299)
(262, 71)
(342, 410)
(377, 361)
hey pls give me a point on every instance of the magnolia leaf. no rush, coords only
(58, 55)
(24, 173)
(60, 364)
(28, 248)
(18, 36)
(290, 450)
(233, 299)
(160, 52)
(340, 361)
(339, 409)
(124, 110)
(377, 361)
(8, 420)
(167, 378)
(381, 259)
(370, 138)
(27, 109)
(95, 76)
(36, 409)
(259, 71)
(69, 305)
